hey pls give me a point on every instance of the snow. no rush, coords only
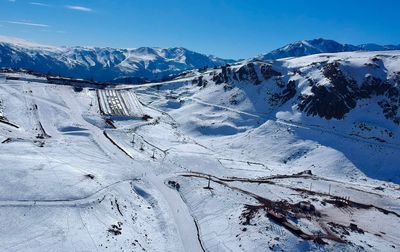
(71, 180)
(54, 179)
(119, 103)
(316, 46)
(102, 64)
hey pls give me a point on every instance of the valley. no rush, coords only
(236, 158)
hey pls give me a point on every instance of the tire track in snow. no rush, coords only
(81, 202)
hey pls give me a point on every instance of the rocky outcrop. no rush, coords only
(330, 101)
(343, 93)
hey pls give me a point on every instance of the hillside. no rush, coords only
(297, 154)
(348, 97)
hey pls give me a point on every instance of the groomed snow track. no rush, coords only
(115, 102)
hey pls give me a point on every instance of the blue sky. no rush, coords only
(226, 28)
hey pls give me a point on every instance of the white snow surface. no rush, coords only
(73, 178)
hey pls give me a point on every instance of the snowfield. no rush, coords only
(237, 158)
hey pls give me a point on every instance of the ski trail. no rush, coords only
(84, 201)
(221, 107)
(179, 211)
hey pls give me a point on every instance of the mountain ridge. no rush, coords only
(103, 64)
(320, 45)
(142, 64)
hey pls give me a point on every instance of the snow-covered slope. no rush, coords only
(353, 95)
(332, 115)
(297, 155)
(315, 46)
(102, 64)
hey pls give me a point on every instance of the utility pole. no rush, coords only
(209, 183)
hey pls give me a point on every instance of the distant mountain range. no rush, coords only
(103, 64)
(315, 46)
(144, 63)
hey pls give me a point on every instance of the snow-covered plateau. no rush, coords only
(297, 154)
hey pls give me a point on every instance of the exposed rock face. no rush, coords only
(223, 76)
(331, 101)
(268, 72)
(330, 88)
(339, 98)
(248, 73)
(389, 96)
(287, 93)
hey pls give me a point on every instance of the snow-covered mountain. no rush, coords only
(352, 95)
(103, 64)
(293, 154)
(296, 154)
(336, 115)
(315, 46)
(141, 64)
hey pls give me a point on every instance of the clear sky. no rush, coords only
(225, 28)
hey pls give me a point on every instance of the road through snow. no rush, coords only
(182, 217)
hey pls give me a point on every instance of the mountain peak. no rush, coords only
(321, 45)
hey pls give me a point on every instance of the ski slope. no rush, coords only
(62, 191)
(248, 181)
